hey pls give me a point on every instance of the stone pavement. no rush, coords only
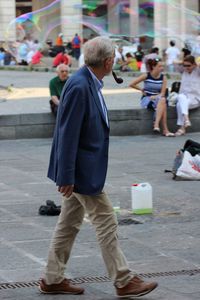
(25, 111)
(164, 246)
(29, 92)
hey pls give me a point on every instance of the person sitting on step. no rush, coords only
(153, 94)
(189, 93)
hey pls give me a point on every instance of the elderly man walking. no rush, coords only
(78, 165)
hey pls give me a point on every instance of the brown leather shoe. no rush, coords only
(136, 288)
(65, 287)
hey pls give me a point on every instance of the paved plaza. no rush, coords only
(163, 246)
(166, 241)
(28, 92)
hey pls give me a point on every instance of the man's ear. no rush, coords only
(107, 63)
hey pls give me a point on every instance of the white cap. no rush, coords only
(60, 34)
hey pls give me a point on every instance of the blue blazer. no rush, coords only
(79, 153)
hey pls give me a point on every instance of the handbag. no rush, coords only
(186, 165)
(190, 167)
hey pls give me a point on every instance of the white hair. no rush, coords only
(97, 50)
(61, 66)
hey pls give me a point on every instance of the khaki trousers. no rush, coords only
(102, 216)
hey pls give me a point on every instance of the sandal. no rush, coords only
(156, 130)
(169, 134)
(187, 123)
(180, 132)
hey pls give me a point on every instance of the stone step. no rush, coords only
(122, 123)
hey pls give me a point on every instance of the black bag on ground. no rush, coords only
(50, 209)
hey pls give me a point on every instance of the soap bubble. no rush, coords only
(44, 23)
(93, 15)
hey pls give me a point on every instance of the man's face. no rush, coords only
(63, 73)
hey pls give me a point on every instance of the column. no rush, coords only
(134, 17)
(71, 13)
(113, 17)
(174, 22)
(66, 14)
(7, 14)
(50, 14)
(194, 6)
(160, 21)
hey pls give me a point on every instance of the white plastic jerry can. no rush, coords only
(141, 196)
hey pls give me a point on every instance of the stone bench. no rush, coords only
(140, 121)
(122, 123)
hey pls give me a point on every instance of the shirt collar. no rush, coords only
(98, 83)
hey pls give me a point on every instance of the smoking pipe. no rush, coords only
(117, 79)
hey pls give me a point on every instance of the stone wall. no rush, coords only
(7, 14)
(122, 123)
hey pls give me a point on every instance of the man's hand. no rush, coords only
(66, 190)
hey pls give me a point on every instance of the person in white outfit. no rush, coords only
(173, 54)
(189, 93)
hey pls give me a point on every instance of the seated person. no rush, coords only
(131, 62)
(189, 93)
(61, 58)
(56, 85)
(120, 62)
(35, 57)
(9, 59)
(153, 94)
(2, 55)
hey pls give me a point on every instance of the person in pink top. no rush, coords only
(36, 58)
(61, 58)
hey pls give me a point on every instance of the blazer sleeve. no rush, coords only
(71, 113)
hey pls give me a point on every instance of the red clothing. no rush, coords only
(60, 58)
(36, 58)
(76, 42)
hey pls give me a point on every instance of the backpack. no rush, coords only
(174, 90)
(175, 87)
(186, 165)
(50, 209)
(76, 41)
